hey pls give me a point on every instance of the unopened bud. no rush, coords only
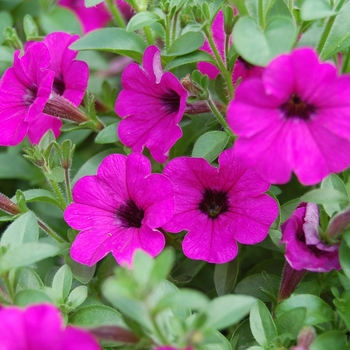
(8, 206)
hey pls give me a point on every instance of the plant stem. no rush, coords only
(56, 189)
(50, 232)
(116, 13)
(261, 14)
(149, 35)
(167, 32)
(218, 115)
(68, 185)
(346, 61)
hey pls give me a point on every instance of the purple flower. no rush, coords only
(242, 68)
(41, 327)
(71, 75)
(24, 91)
(296, 118)
(94, 17)
(152, 103)
(304, 248)
(119, 210)
(218, 206)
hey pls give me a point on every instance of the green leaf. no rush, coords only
(194, 57)
(40, 195)
(334, 182)
(339, 36)
(108, 134)
(259, 47)
(317, 310)
(23, 230)
(261, 323)
(163, 265)
(31, 296)
(215, 341)
(96, 315)
(5, 21)
(344, 257)
(142, 267)
(210, 145)
(330, 340)
(26, 254)
(228, 310)
(26, 278)
(186, 43)
(59, 19)
(91, 3)
(315, 9)
(82, 273)
(291, 321)
(62, 281)
(57, 174)
(6, 54)
(324, 196)
(116, 40)
(288, 208)
(141, 19)
(225, 276)
(77, 296)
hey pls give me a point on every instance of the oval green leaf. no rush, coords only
(186, 43)
(141, 19)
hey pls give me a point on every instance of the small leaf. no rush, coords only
(116, 40)
(262, 325)
(27, 278)
(288, 208)
(228, 310)
(324, 196)
(163, 265)
(108, 134)
(291, 321)
(82, 273)
(344, 257)
(77, 296)
(62, 281)
(210, 145)
(194, 57)
(25, 229)
(141, 19)
(5, 21)
(40, 195)
(225, 276)
(57, 174)
(315, 9)
(186, 43)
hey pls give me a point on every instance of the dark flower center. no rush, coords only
(295, 107)
(30, 96)
(130, 215)
(58, 85)
(246, 64)
(171, 101)
(213, 203)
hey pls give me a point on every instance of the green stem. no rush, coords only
(116, 13)
(68, 185)
(167, 32)
(148, 34)
(56, 189)
(226, 74)
(328, 28)
(290, 5)
(9, 286)
(50, 232)
(218, 115)
(261, 14)
(173, 31)
(346, 61)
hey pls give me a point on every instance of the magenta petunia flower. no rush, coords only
(24, 91)
(242, 68)
(304, 248)
(296, 118)
(152, 104)
(218, 206)
(71, 75)
(119, 210)
(96, 17)
(41, 327)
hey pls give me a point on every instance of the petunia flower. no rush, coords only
(41, 327)
(152, 104)
(119, 210)
(95, 17)
(71, 75)
(242, 69)
(24, 91)
(295, 118)
(218, 206)
(304, 247)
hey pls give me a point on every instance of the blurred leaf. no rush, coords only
(338, 37)
(5, 21)
(228, 310)
(96, 315)
(23, 230)
(6, 54)
(317, 310)
(91, 3)
(261, 323)
(194, 57)
(26, 278)
(60, 19)
(225, 276)
(141, 19)
(288, 208)
(82, 273)
(315, 9)
(334, 182)
(77, 296)
(62, 281)
(330, 340)
(163, 265)
(186, 43)
(258, 47)
(210, 145)
(325, 196)
(291, 321)
(344, 257)
(31, 296)
(215, 341)
(116, 40)
(108, 134)
(142, 267)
